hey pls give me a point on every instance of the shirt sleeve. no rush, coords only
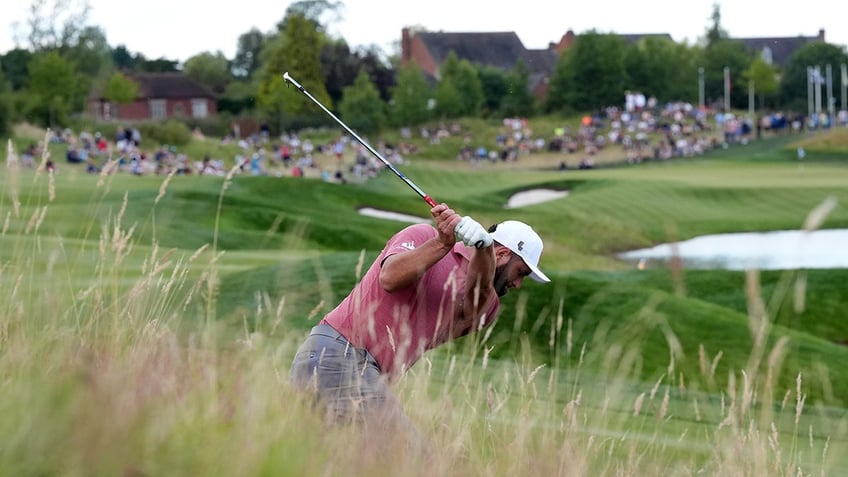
(408, 239)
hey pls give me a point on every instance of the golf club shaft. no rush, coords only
(376, 154)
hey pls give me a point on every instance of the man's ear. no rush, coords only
(502, 254)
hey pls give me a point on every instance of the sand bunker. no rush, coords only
(521, 199)
(535, 196)
(385, 214)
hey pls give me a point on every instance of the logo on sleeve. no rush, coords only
(408, 245)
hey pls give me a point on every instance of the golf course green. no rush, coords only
(148, 323)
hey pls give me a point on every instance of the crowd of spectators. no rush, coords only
(633, 136)
(630, 134)
(256, 155)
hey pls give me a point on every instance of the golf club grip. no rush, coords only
(479, 244)
(429, 200)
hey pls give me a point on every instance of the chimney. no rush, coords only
(565, 42)
(821, 34)
(405, 46)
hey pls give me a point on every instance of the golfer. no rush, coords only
(429, 285)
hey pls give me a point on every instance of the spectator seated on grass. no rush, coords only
(91, 167)
(30, 153)
(73, 155)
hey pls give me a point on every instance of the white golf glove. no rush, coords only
(471, 233)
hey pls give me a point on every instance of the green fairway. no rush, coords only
(148, 322)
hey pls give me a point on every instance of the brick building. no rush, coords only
(160, 96)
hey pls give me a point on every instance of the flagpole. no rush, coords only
(726, 89)
(751, 99)
(830, 104)
(810, 93)
(817, 72)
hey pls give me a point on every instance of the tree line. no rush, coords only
(47, 82)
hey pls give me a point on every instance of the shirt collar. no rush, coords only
(459, 248)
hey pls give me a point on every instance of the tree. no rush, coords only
(62, 26)
(54, 88)
(339, 66)
(89, 52)
(239, 96)
(123, 59)
(731, 54)
(763, 77)
(56, 28)
(14, 67)
(459, 92)
(311, 10)
(448, 100)
(519, 101)
(410, 97)
(715, 33)
(495, 83)
(659, 67)
(120, 89)
(590, 75)
(246, 61)
(793, 86)
(210, 70)
(300, 35)
(271, 92)
(362, 107)
(380, 72)
(5, 106)
(159, 65)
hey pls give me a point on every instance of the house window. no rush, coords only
(198, 108)
(157, 109)
(767, 56)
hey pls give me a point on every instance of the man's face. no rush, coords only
(510, 275)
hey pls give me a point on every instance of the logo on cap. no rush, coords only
(521, 246)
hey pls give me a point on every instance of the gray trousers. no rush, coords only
(348, 386)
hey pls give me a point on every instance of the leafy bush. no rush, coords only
(172, 132)
(287, 122)
(217, 126)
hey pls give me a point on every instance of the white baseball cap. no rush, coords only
(524, 242)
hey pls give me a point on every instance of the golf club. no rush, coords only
(414, 187)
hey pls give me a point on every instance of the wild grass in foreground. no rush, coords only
(113, 362)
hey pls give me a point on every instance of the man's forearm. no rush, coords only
(479, 285)
(403, 269)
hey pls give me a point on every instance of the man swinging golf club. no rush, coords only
(430, 284)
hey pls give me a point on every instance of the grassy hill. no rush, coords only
(213, 280)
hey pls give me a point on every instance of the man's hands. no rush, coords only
(453, 228)
(400, 270)
(471, 232)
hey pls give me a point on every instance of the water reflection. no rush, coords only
(779, 250)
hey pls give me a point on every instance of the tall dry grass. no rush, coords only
(116, 365)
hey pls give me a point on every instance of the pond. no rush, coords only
(777, 250)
